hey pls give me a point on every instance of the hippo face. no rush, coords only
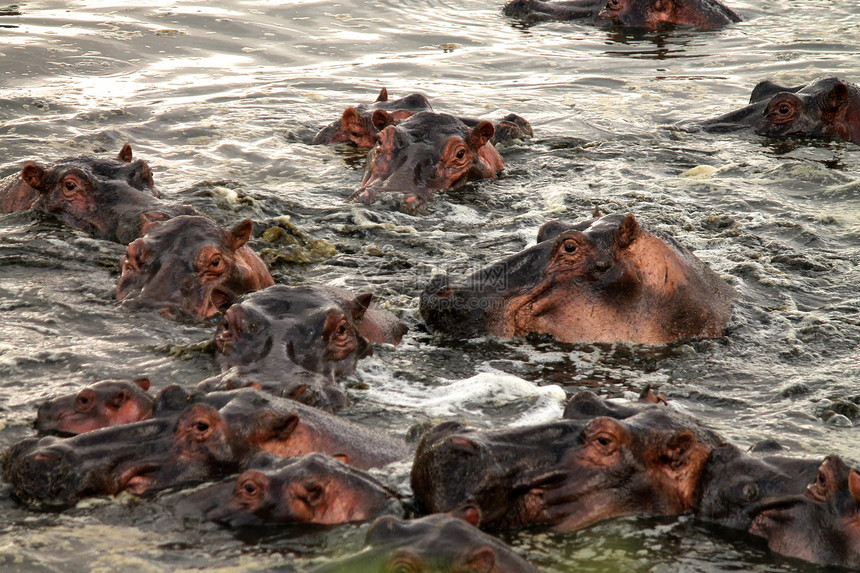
(652, 14)
(432, 543)
(361, 124)
(646, 464)
(569, 473)
(306, 327)
(312, 489)
(428, 153)
(138, 458)
(99, 405)
(600, 280)
(492, 470)
(112, 199)
(187, 265)
(821, 525)
(826, 107)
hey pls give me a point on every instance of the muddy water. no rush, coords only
(221, 96)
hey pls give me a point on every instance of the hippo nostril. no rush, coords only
(444, 292)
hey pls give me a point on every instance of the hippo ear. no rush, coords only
(33, 175)
(279, 427)
(381, 119)
(222, 299)
(648, 397)
(239, 235)
(854, 485)
(343, 458)
(148, 222)
(471, 514)
(663, 5)
(383, 95)
(349, 117)
(483, 560)
(596, 214)
(362, 304)
(143, 383)
(627, 232)
(679, 450)
(481, 134)
(170, 399)
(838, 96)
(125, 153)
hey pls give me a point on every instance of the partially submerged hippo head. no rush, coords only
(110, 198)
(187, 265)
(653, 14)
(361, 124)
(569, 473)
(144, 456)
(98, 405)
(301, 326)
(822, 524)
(602, 280)
(432, 543)
(315, 488)
(826, 107)
(427, 154)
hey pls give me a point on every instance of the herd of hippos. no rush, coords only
(269, 415)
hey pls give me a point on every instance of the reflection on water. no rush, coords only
(221, 97)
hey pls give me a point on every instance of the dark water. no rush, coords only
(219, 96)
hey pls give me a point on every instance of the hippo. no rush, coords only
(189, 440)
(433, 543)
(181, 264)
(601, 280)
(566, 474)
(733, 483)
(825, 107)
(360, 124)
(281, 336)
(111, 198)
(822, 524)
(645, 14)
(314, 488)
(426, 154)
(98, 405)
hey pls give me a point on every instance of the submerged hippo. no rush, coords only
(432, 543)
(180, 265)
(98, 405)
(602, 280)
(211, 437)
(280, 337)
(820, 525)
(360, 124)
(567, 474)
(734, 483)
(647, 14)
(110, 198)
(315, 488)
(825, 107)
(427, 154)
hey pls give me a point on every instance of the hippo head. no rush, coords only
(826, 107)
(538, 290)
(428, 153)
(99, 405)
(652, 14)
(112, 199)
(569, 473)
(186, 266)
(821, 525)
(138, 458)
(299, 327)
(493, 470)
(432, 543)
(361, 124)
(315, 488)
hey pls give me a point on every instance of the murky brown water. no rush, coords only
(219, 97)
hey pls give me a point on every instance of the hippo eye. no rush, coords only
(569, 247)
(461, 154)
(314, 494)
(249, 488)
(201, 426)
(70, 186)
(614, 4)
(215, 262)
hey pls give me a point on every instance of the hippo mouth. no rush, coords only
(772, 513)
(139, 479)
